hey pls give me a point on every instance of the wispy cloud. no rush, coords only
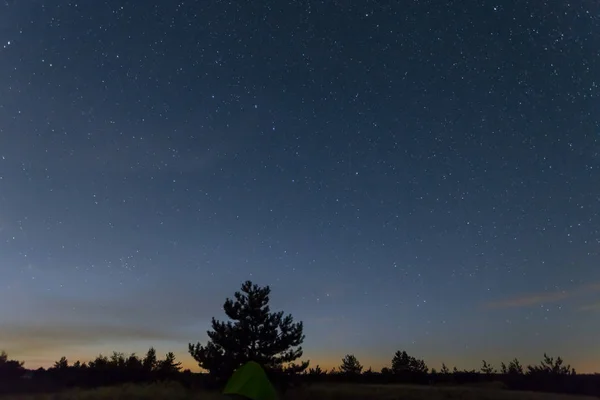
(590, 307)
(32, 338)
(534, 299)
(529, 300)
(592, 287)
(143, 315)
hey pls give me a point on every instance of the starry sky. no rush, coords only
(418, 175)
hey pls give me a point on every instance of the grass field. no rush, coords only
(314, 392)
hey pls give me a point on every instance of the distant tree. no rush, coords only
(63, 363)
(10, 369)
(350, 365)
(386, 371)
(316, 371)
(368, 372)
(433, 371)
(487, 368)
(117, 360)
(133, 363)
(515, 367)
(254, 333)
(169, 365)
(100, 363)
(149, 363)
(550, 366)
(444, 369)
(418, 366)
(402, 363)
(3, 358)
(503, 368)
(455, 370)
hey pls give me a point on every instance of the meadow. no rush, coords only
(326, 391)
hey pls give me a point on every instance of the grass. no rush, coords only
(410, 392)
(330, 391)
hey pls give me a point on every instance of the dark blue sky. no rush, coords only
(418, 175)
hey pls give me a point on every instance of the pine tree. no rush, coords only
(133, 363)
(444, 369)
(10, 370)
(63, 363)
(149, 362)
(402, 363)
(551, 366)
(117, 360)
(487, 368)
(316, 371)
(350, 365)
(254, 333)
(418, 366)
(515, 367)
(100, 363)
(169, 365)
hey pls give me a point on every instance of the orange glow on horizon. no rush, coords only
(587, 366)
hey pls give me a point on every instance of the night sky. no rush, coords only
(415, 175)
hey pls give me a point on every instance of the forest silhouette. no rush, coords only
(255, 333)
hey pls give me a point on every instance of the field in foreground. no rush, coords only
(313, 392)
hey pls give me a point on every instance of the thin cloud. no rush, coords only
(592, 287)
(534, 299)
(529, 300)
(146, 307)
(143, 315)
(590, 307)
(33, 338)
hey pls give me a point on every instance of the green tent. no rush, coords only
(251, 382)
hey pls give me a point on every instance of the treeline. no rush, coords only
(550, 375)
(255, 333)
(102, 371)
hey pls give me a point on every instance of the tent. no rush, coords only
(251, 382)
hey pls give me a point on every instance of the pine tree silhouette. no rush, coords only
(551, 366)
(316, 371)
(486, 368)
(403, 363)
(400, 362)
(515, 367)
(10, 370)
(253, 334)
(350, 365)
(63, 363)
(150, 362)
(444, 369)
(169, 365)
